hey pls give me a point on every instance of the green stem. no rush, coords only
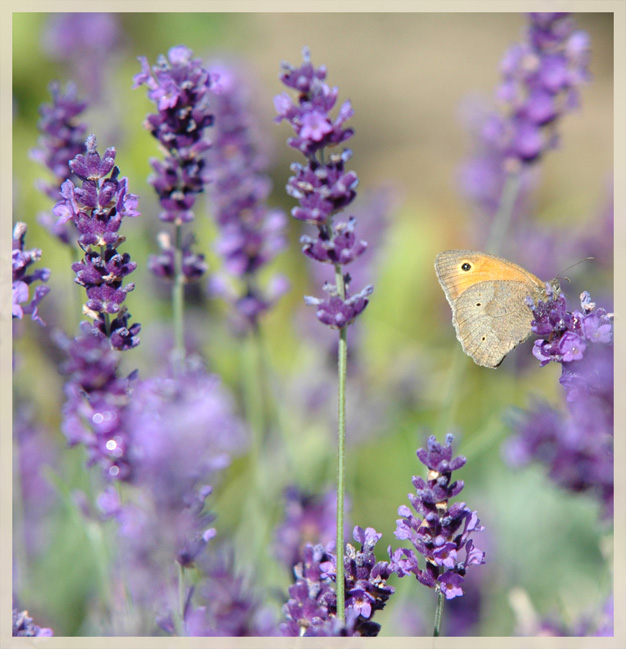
(438, 614)
(341, 451)
(503, 216)
(178, 303)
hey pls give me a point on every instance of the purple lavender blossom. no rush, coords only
(442, 536)
(576, 446)
(21, 260)
(23, 625)
(312, 606)
(565, 334)
(97, 209)
(250, 233)
(84, 41)
(322, 186)
(541, 80)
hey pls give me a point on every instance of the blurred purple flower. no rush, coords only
(322, 186)
(62, 139)
(97, 209)
(84, 41)
(23, 625)
(250, 233)
(183, 432)
(35, 452)
(225, 606)
(541, 77)
(21, 260)
(444, 531)
(311, 609)
(540, 84)
(95, 401)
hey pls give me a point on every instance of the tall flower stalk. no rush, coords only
(324, 188)
(179, 85)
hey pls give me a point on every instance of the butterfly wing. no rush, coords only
(489, 322)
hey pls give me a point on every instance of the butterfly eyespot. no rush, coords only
(466, 266)
(484, 338)
(477, 303)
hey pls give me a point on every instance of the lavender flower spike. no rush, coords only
(322, 186)
(442, 535)
(179, 86)
(97, 209)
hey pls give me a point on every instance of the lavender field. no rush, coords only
(232, 359)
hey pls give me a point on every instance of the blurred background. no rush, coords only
(414, 81)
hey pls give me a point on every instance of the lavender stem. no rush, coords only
(438, 614)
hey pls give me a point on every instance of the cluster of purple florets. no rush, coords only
(442, 534)
(97, 208)
(323, 186)
(565, 334)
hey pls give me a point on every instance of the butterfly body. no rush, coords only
(487, 295)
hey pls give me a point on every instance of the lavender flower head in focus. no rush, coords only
(322, 186)
(21, 261)
(312, 606)
(250, 233)
(97, 209)
(443, 533)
